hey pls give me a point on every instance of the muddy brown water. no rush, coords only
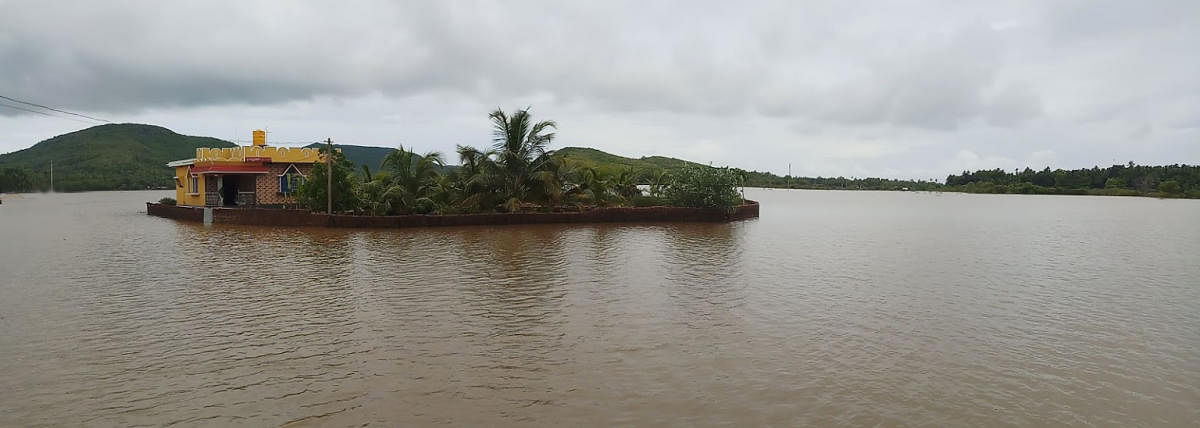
(833, 308)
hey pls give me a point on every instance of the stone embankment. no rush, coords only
(282, 217)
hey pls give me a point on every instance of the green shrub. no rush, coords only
(1169, 187)
(705, 187)
(167, 201)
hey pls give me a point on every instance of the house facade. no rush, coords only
(255, 175)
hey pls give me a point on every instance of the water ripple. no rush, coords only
(834, 308)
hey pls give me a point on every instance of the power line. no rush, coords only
(40, 112)
(28, 110)
(53, 109)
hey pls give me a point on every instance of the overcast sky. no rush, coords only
(890, 88)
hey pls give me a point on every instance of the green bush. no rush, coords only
(167, 201)
(1169, 187)
(704, 187)
(312, 194)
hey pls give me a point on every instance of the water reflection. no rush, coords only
(705, 271)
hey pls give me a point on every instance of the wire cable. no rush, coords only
(41, 112)
(53, 109)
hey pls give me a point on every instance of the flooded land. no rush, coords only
(833, 308)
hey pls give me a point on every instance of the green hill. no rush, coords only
(361, 155)
(610, 164)
(372, 156)
(106, 157)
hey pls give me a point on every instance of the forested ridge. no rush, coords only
(124, 156)
(1117, 180)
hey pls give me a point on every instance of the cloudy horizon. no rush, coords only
(888, 89)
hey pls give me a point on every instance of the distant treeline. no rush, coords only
(1172, 181)
(766, 179)
(19, 180)
(14, 180)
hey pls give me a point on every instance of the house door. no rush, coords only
(229, 190)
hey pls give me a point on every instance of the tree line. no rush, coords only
(14, 180)
(517, 173)
(1117, 180)
(766, 179)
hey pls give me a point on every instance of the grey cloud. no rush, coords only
(611, 58)
(918, 77)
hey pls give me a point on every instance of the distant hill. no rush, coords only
(107, 157)
(608, 163)
(372, 156)
(361, 155)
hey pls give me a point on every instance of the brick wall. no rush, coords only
(267, 185)
(276, 217)
(175, 212)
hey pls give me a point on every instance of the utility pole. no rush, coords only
(51, 175)
(329, 176)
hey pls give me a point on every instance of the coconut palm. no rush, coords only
(590, 186)
(624, 184)
(413, 178)
(659, 180)
(520, 147)
(551, 179)
(475, 180)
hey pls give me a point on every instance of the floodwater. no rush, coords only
(834, 308)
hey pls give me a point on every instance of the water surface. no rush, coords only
(833, 308)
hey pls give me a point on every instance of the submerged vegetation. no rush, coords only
(518, 172)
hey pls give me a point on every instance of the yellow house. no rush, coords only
(255, 175)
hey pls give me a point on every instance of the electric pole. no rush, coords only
(329, 176)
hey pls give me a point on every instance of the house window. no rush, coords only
(290, 180)
(193, 184)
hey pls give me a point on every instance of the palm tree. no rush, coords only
(366, 174)
(520, 147)
(372, 199)
(658, 182)
(591, 187)
(413, 179)
(551, 180)
(625, 185)
(475, 180)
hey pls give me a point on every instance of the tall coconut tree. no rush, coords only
(520, 146)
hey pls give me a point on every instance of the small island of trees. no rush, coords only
(518, 173)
